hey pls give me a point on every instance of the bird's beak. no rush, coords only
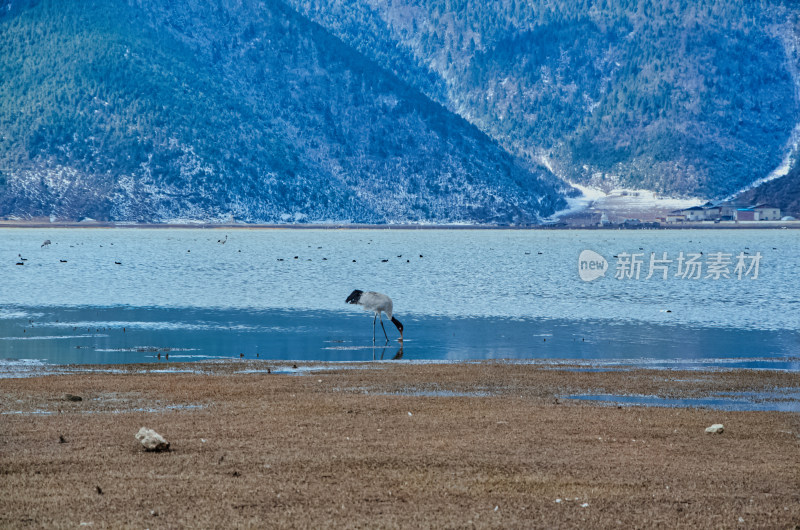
(401, 337)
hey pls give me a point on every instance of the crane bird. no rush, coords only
(377, 302)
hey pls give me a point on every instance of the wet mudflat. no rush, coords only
(392, 444)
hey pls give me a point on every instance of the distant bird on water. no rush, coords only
(46, 243)
(377, 302)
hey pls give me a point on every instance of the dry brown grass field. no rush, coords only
(491, 445)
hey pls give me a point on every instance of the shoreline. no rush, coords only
(740, 225)
(479, 444)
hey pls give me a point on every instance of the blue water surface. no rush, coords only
(130, 295)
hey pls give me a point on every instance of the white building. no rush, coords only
(695, 213)
(765, 212)
(675, 217)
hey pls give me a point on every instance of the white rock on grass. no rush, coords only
(151, 440)
(717, 428)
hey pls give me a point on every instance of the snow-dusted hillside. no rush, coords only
(684, 97)
(153, 111)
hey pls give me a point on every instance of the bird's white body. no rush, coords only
(376, 302)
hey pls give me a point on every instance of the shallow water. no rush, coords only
(128, 295)
(743, 401)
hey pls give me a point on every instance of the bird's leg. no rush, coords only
(373, 327)
(384, 329)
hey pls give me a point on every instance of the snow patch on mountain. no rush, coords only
(621, 203)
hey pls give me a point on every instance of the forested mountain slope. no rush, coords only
(687, 97)
(783, 192)
(155, 111)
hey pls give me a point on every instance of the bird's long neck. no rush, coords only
(399, 326)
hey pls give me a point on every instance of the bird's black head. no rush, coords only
(354, 297)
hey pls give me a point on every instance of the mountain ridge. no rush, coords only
(683, 98)
(196, 111)
(432, 111)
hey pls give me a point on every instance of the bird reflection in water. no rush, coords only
(398, 354)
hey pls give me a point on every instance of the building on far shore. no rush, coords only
(726, 211)
(765, 212)
(712, 212)
(760, 212)
(675, 217)
(695, 213)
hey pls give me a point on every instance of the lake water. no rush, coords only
(128, 295)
